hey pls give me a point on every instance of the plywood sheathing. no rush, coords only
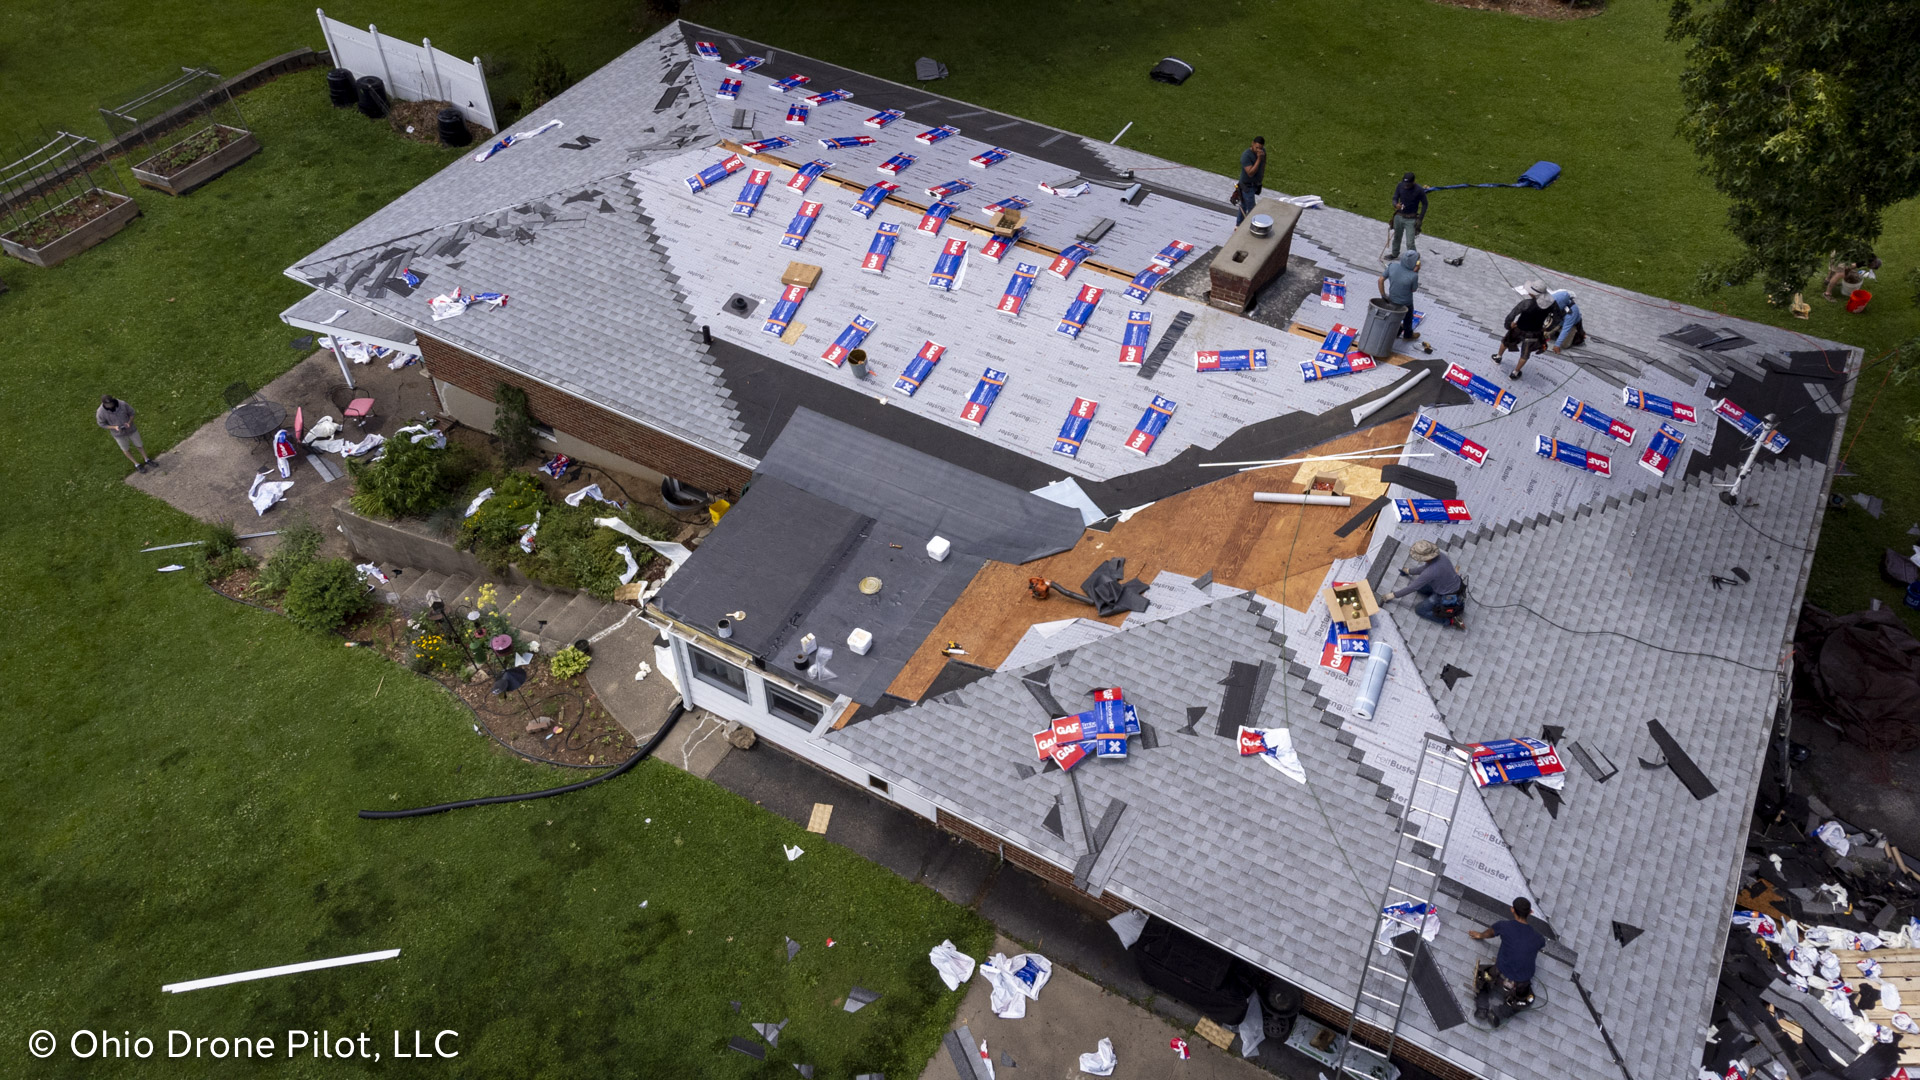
(1280, 552)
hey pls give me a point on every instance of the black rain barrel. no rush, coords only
(453, 128)
(372, 95)
(340, 88)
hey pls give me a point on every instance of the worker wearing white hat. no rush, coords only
(1438, 581)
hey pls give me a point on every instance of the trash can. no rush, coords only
(1384, 319)
(372, 95)
(453, 128)
(340, 88)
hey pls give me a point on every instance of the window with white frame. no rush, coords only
(791, 707)
(717, 673)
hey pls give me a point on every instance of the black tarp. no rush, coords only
(1862, 672)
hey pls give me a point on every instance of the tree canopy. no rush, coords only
(1806, 115)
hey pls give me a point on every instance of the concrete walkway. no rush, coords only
(1070, 1017)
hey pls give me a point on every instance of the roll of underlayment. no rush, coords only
(1373, 681)
(1299, 499)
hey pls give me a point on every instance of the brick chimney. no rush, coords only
(1246, 263)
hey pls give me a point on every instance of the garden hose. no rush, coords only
(679, 710)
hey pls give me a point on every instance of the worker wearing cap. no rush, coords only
(1527, 325)
(1436, 580)
(1253, 173)
(1409, 213)
(1567, 312)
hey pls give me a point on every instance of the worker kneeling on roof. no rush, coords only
(1438, 581)
(1507, 986)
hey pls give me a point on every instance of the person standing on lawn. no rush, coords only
(1253, 173)
(1398, 284)
(1409, 214)
(117, 417)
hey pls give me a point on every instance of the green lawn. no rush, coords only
(181, 800)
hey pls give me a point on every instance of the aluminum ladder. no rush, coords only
(1439, 781)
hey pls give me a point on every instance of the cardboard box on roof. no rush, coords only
(1351, 602)
(799, 273)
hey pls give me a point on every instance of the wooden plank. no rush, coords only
(1281, 552)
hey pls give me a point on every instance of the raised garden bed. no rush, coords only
(70, 228)
(196, 159)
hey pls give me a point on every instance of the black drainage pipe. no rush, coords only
(679, 709)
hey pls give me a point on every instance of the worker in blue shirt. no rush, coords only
(1572, 330)
(1507, 987)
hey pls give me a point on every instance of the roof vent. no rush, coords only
(1262, 225)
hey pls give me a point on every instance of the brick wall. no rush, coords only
(591, 423)
(1022, 858)
(1336, 1017)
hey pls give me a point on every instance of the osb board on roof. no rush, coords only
(1300, 329)
(1280, 552)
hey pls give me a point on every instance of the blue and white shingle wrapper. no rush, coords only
(954, 966)
(950, 268)
(789, 84)
(715, 173)
(997, 246)
(896, 164)
(845, 142)
(1577, 456)
(1070, 258)
(529, 531)
(1575, 409)
(950, 189)
(750, 193)
(515, 138)
(591, 491)
(934, 135)
(1152, 423)
(784, 309)
(1073, 430)
(1336, 356)
(871, 198)
(1402, 917)
(746, 64)
(1018, 288)
(1747, 423)
(1431, 511)
(1677, 411)
(1081, 310)
(1133, 341)
(935, 218)
(706, 50)
(1171, 255)
(804, 176)
(854, 336)
(1482, 389)
(919, 368)
(421, 433)
(1333, 293)
(1146, 281)
(797, 114)
(264, 493)
(801, 225)
(1011, 202)
(985, 393)
(474, 506)
(883, 118)
(761, 146)
(881, 249)
(829, 97)
(990, 157)
(1444, 437)
(1015, 981)
(1275, 747)
(1230, 360)
(729, 90)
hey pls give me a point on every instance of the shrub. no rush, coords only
(324, 594)
(513, 424)
(570, 551)
(493, 532)
(220, 554)
(568, 663)
(299, 544)
(547, 77)
(409, 478)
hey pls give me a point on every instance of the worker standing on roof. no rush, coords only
(1253, 173)
(1409, 213)
(1527, 325)
(1510, 982)
(1436, 580)
(1566, 314)
(1397, 285)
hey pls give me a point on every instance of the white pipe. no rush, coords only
(286, 969)
(1308, 499)
(1291, 461)
(1362, 412)
(1337, 461)
(1116, 139)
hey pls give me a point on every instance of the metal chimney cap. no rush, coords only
(1261, 225)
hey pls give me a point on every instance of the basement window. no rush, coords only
(717, 673)
(545, 432)
(793, 708)
(877, 784)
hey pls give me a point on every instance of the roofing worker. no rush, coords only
(1510, 983)
(1398, 283)
(1409, 213)
(1438, 581)
(1572, 330)
(1527, 325)
(117, 417)
(1253, 173)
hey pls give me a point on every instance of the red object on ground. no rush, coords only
(1857, 301)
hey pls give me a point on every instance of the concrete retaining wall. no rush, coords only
(409, 544)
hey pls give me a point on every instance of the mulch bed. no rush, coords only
(1532, 9)
(49, 227)
(420, 121)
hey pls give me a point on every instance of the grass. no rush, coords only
(187, 770)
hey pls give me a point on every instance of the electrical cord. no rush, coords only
(1616, 633)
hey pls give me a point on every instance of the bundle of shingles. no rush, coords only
(1823, 963)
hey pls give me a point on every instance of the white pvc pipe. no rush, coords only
(287, 969)
(1362, 412)
(1295, 460)
(1292, 499)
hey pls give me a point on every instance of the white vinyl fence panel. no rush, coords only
(411, 72)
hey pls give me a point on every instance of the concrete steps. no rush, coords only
(555, 617)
